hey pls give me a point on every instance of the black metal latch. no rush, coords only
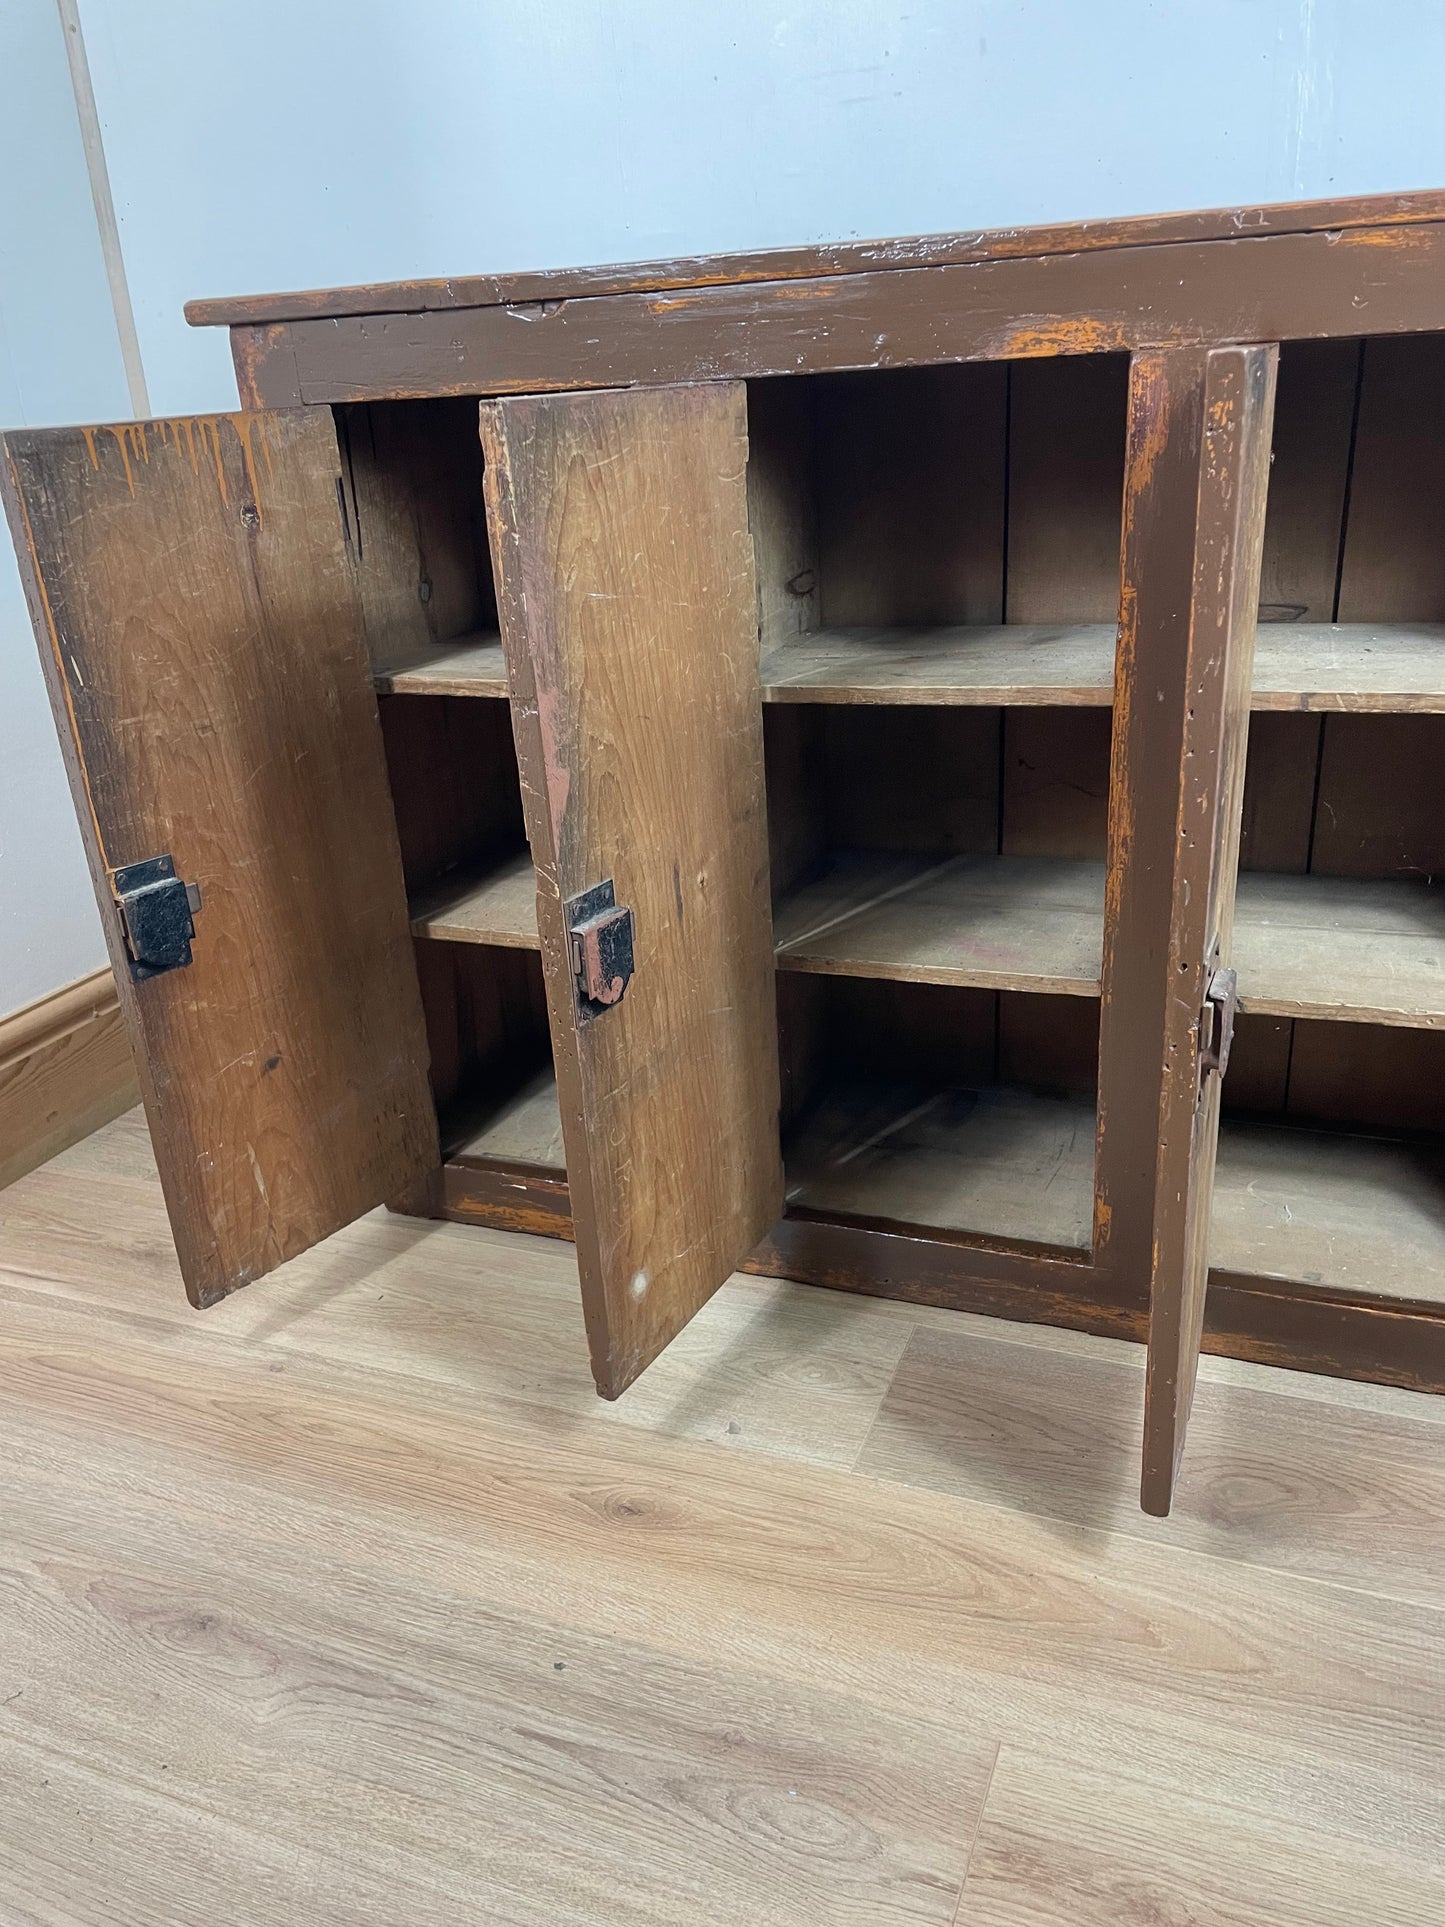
(600, 935)
(157, 913)
(1216, 1022)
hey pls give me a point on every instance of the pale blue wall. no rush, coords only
(294, 143)
(59, 362)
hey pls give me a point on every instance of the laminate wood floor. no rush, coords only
(348, 1601)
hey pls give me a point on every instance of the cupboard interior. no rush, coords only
(1331, 1167)
(937, 555)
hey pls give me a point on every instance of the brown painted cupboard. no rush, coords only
(915, 767)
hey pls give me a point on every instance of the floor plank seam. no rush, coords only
(956, 1917)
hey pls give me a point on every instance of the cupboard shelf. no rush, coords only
(978, 664)
(1311, 666)
(1328, 948)
(494, 906)
(468, 666)
(523, 1128)
(996, 1163)
(1362, 667)
(1338, 948)
(1344, 1212)
(1347, 1213)
(999, 923)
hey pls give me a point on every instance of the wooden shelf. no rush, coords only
(1308, 666)
(496, 907)
(1331, 948)
(1350, 666)
(1011, 665)
(1334, 947)
(1346, 1213)
(469, 666)
(526, 1128)
(996, 1163)
(1000, 923)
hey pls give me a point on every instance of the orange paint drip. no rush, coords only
(122, 444)
(209, 429)
(245, 426)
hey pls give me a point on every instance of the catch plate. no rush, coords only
(599, 931)
(157, 915)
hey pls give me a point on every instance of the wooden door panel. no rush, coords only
(625, 584)
(1198, 465)
(195, 604)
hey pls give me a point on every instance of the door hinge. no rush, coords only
(599, 933)
(1216, 1022)
(157, 915)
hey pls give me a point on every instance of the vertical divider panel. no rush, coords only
(1194, 496)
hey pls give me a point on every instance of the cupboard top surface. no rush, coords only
(827, 258)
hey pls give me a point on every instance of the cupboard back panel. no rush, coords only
(935, 1034)
(945, 781)
(1372, 1078)
(412, 499)
(486, 1016)
(973, 493)
(453, 774)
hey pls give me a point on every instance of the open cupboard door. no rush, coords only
(193, 596)
(625, 588)
(1200, 423)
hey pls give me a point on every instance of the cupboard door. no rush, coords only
(1198, 465)
(192, 592)
(625, 588)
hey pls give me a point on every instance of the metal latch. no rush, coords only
(600, 936)
(1216, 1022)
(157, 913)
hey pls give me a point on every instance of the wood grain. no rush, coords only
(1329, 947)
(1003, 923)
(524, 1127)
(207, 558)
(1365, 666)
(1066, 487)
(471, 666)
(1358, 1214)
(1380, 280)
(412, 481)
(1328, 1492)
(909, 484)
(1314, 414)
(1199, 430)
(981, 663)
(378, 1553)
(1234, 393)
(497, 907)
(65, 1069)
(991, 1163)
(1061, 1844)
(624, 566)
(929, 250)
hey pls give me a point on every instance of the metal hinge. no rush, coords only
(599, 933)
(157, 914)
(1216, 1022)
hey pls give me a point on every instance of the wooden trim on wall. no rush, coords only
(65, 1069)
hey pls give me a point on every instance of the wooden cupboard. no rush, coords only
(915, 767)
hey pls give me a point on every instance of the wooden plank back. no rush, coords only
(625, 584)
(1199, 441)
(201, 631)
